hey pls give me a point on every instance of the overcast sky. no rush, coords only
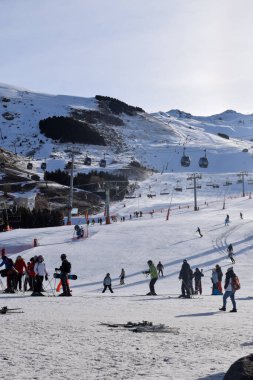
(195, 55)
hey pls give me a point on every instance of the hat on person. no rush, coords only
(230, 268)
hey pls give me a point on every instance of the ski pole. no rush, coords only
(49, 281)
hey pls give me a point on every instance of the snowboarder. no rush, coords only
(198, 230)
(220, 275)
(214, 280)
(230, 251)
(122, 277)
(65, 269)
(107, 283)
(186, 276)
(197, 278)
(154, 276)
(160, 268)
(229, 291)
(40, 272)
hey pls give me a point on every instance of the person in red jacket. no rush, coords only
(21, 267)
(31, 273)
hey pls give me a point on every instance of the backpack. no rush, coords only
(236, 283)
(67, 266)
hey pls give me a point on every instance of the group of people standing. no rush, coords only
(22, 276)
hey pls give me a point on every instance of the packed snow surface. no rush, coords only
(63, 337)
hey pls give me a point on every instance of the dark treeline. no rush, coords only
(67, 129)
(117, 106)
(24, 218)
(92, 181)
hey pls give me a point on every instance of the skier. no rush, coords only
(186, 276)
(160, 268)
(122, 277)
(229, 291)
(154, 276)
(241, 215)
(40, 272)
(107, 283)
(10, 272)
(21, 268)
(31, 273)
(197, 277)
(214, 280)
(220, 275)
(227, 220)
(65, 269)
(198, 230)
(230, 251)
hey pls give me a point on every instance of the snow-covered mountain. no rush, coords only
(155, 140)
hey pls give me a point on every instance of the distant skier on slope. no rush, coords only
(122, 277)
(154, 276)
(107, 283)
(227, 220)
(186, 276)
(160, 269)
(230, 251)
(198, 230)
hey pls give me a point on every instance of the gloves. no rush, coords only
(46, 277)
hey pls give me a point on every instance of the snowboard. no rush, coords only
(70, 276)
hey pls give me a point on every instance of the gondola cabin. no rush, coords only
(43, 166)
(87, 161)
(203, 162)
(185, 161)
(102, 163)
(29, 166)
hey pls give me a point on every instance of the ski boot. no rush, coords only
(222, 308)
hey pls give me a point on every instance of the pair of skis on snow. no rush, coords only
(6, 310)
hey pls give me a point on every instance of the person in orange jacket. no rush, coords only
(21, 268)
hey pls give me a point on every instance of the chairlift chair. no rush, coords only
(29, 166)
(43, 166)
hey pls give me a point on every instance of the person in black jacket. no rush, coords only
(65, 269)
(186, 276)
(229, 291)
(197, 277)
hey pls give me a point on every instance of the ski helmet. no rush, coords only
(63, 256)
